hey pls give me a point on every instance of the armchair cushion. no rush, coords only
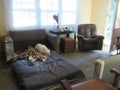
(88, 33)
(87, 30)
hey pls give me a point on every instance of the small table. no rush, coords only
(67, 32)
(66, 44)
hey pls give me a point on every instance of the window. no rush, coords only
(68, 12)
(23, 12)
(39, 13)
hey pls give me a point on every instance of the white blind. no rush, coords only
(39, 13)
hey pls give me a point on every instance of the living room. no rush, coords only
(87, 12)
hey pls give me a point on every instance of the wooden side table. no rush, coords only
(67, 45)
(67, 32)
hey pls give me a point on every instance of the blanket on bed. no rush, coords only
(38, 52)
(39, 74)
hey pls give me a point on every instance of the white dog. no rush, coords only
(42, 49)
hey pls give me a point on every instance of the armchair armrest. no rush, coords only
(99, 37)
(9, 49)
(115, 71)
(66, 84)
(54, 41)
(80, 36)
(117, 76)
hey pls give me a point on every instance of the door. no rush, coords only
(110, 21)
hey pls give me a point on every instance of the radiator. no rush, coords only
(99, 68)
(9, 48)
(103, 67)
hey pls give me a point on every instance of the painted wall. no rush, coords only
(99, 13)
(94, 11)
(86, 11)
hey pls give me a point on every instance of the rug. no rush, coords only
(86, 60)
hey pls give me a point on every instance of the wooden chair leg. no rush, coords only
(117, 77)
(66, 85)
(116, 81)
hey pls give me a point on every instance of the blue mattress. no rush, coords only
(38, 74)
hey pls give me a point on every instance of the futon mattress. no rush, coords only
(38, 74)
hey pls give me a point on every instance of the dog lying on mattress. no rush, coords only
(39, 52)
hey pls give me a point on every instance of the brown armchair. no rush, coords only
(93, 84)
(88, 38)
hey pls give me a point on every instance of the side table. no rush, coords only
(67, 32)
(67, 45)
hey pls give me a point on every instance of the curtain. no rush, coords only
(2, 27)
(28, 14)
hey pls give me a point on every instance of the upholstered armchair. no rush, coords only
(88, 38)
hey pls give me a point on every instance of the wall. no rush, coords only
(86, 10)
(94, 11)
(99, 13)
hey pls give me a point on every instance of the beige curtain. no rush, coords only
(2, 26)
(2, 32)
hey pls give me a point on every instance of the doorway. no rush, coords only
(110, 23)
